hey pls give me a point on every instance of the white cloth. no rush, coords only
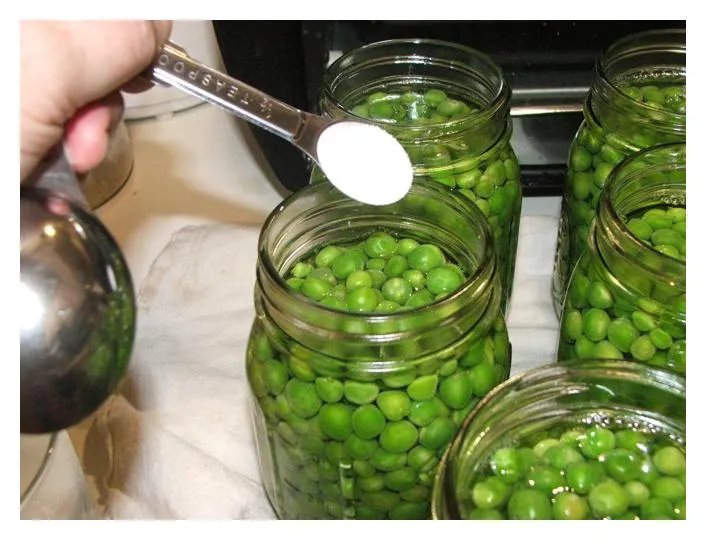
(176, 442)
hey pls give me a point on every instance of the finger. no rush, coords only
(88, 133)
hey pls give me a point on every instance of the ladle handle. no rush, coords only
(175, 67)
(54, 173)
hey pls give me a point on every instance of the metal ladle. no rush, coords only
(78, 305)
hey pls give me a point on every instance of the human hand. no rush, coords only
(71, 74)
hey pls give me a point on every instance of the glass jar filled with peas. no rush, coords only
(627, 294)
(448, 105)
(575, 441)
(637, 100)
(378, 328)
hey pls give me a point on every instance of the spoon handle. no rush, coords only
(174, 67)
(54, 173)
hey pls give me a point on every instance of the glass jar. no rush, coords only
(580, 440)
(637, 100)
(52, 483)
(352, 411)
(627, 295)
(448, 105)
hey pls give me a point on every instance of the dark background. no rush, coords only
(287, 59)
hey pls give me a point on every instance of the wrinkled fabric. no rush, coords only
(176, 441)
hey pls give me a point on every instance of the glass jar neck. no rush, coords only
(651, 178)
(542, 397)
(320, 215)
(401, 65)
(655, 57)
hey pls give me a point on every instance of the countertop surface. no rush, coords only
(187, 220)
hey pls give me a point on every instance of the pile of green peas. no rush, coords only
(662, 228)
(490, 178)
(368, 447)
(381, 275)
(583, 472)
(594, 154)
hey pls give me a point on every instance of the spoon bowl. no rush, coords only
(77, 312)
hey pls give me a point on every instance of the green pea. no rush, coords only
(601, 173)
(611, 155)
(581, 185)
(397, 289)
(561, 455)
(582, 477)
(667, 487)
(570, 506)
(579, 159)
(680, 509)
(605, 349)
(347, 263)
(386, 461)
(423, 413)
(358, 448)
(571, 325)
(302, 398)
(442, 280)
(382, 500)
(336, 420)
(468, 179)
(640, 228)
(400, 479)
(528, 503)
(506, 464)
(315, 288)
(399, 380)
(435, 97)
(642, 348)
(423, 388)
(419, 299)
(360, 393)
(398, 437)
(368, 421)
(437, 434)
(622, 333)
(584, 347)
(396, 266)
(638, 493)
(421, 458)
(656, 508)
(598, 440)
(415, 278)
(425, 257)
(608, 499)
(490, 493)
(406, 246)
(456, 391)
(275, 376)
(631, 440)
(599, 296)
(416, 493)
(542, 446)
(644, 322)
(670, 461)
(595, 324)
(363, 299)
(483, 378)
(394, 404)
(375, 263)
(371, 484)
(545, 479)
(660, 339)
(359, 278)
(380, 245)
(326, 256)
(621, 464)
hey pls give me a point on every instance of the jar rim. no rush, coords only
(499, 99)
(484, 268)
(612, 187)
(666, 40)
(626, 370)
